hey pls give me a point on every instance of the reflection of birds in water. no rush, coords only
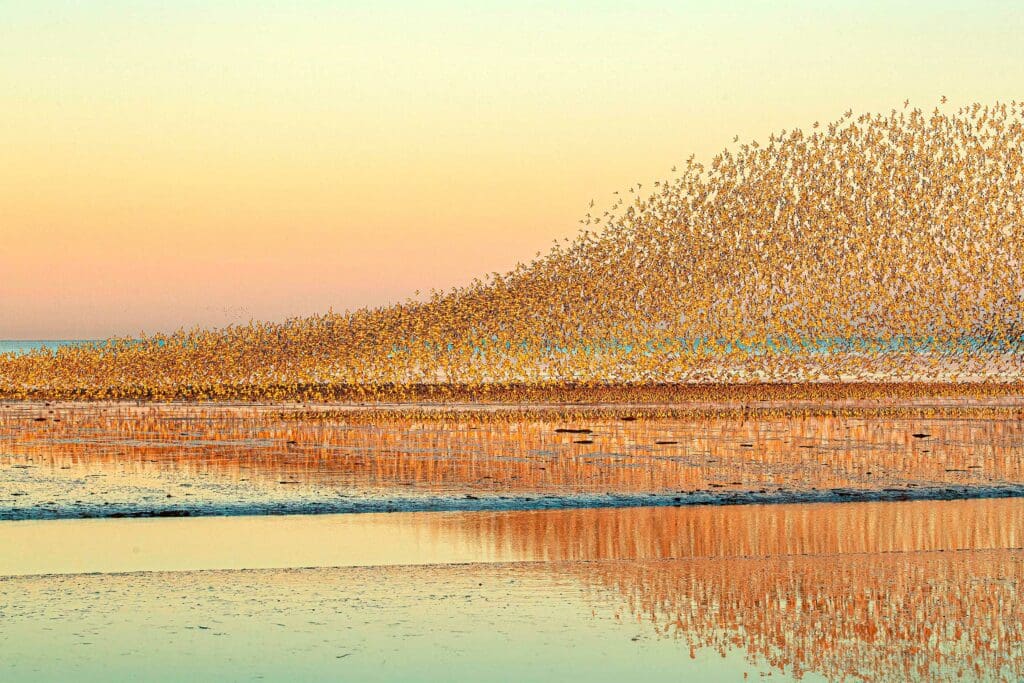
(864, 617)
(878, 247)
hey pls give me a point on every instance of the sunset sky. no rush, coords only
(166, 164)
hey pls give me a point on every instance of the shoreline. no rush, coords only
(521, 503)
(117, 460)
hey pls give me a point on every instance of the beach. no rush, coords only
(511, 542)
(78, 460)
(884, 591)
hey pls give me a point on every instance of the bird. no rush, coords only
(884, 247)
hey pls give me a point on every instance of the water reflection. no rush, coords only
(865, 591)
(726, 532)
(876, 617)
(919, 590)
(878, 591)
(250, 452)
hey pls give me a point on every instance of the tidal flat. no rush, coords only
(177, 541)
(919, 590)
(115, 460)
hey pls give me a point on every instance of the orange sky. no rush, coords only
(170, 164)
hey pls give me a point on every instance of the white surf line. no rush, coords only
(489, 502)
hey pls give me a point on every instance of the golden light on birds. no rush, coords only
(885, 248)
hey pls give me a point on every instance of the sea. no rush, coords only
(20, 346)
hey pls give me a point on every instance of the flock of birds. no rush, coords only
(876, 248)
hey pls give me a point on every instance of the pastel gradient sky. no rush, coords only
(210, 161)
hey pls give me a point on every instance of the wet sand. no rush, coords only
(436, 623)
(882, 591)
(113, 460)
(565, 546)
(574, 535)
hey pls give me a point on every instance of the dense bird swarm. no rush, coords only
(879, 248)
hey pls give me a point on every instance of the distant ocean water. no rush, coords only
(26, 345)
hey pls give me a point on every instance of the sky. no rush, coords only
(207, 162)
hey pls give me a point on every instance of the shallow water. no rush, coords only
(879, 591)
(102, 460)
(566, 550)
(439, 623)
(574, 535)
